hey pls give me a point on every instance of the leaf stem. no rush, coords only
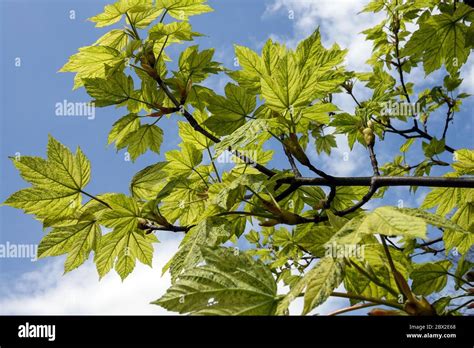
(368, 299)
(96, 199)
(459, 278)
(204, 181)
(137, 36)
(247, 213)
(163, 16)
(213, 164)
(161, 51)
(461, 306)
(352, 308)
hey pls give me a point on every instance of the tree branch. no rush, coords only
(408, 133)
(415, 129)
(399, 64)
(292, 188)
(197, 127)
(319, 172)
(374, 183)
(449, 118)
(382, 181)
(170, 228)
(429, 137)
(373, 160)
(331, 196)
(434, 241)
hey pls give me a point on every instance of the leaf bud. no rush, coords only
(369, 136)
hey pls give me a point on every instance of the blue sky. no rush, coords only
(43, 36)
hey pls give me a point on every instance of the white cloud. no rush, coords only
(338, 20)
(343, 161)
(467, 72)
(48, 291)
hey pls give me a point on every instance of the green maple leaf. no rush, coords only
(182, 9)
(140, 140)
(430, 277)
(113, 13)
(445, 198)
(195, 65)
(187, 200)
(57, 182)
(182, 163)
(392, 222)
(209, 232)
(76, 240)
(142, 19)
(121, 249)
(441, 39)
(147, 183)
(116, 89)
(318, 282)
(302, 76)
(176, 31)
(464, 164)
(189, 135)
(93, 62)
(123, 215)
(325, 143)
(121, 128)
(229, 283)
(126, 243)
(248, 133)
(229, 113)
(116, 39)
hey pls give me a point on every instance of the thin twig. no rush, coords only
(459, 307)
(352, 308)
(291, 160)
(213, 164)
(366, 298)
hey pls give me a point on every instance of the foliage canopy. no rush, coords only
(300, 235)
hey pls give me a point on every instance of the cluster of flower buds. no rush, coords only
(368, 134)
